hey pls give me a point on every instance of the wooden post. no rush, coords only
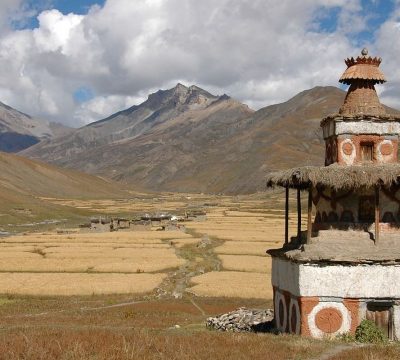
(298, 215)
(377, 215)
(287, 215)
(309, 214)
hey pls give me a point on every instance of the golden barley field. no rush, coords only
(77, 283)
(245, 230)
(236, 284)
(225, 255)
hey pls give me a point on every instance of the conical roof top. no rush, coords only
(362, 74)
(364, 67)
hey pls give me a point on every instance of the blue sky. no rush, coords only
(61, 62)
(75, 6)
(373, 12)
(65, 6)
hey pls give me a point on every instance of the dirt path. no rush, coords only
(79, 309)
(200, 258)
(336, 350)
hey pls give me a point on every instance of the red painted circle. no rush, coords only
(328, 320)
(386, 149)
(347, 148)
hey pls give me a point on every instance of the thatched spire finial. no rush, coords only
(362, 74)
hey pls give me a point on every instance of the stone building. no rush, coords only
(346, 266)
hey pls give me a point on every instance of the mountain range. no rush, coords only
(186, 139)
(19, 131)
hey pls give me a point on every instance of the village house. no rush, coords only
(100, 224)
(346, 266)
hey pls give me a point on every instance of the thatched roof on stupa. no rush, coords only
(363, 68)
(337, 176)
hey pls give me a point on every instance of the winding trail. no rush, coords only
(199, 258)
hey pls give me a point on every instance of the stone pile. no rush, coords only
(243, 319)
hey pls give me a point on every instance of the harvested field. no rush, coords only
(77, 284)
(245, 285)
(251, 214)
(246, 229)
(114, 265)
(78, 257)
(259, 264)
(243, 235)
(74, 257)
(239, 248)
(16, 248)
(120, 236)
(18, 255)
(123, 253)
(234, 239)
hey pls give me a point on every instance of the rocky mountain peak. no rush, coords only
(182, 96)
(180, 88)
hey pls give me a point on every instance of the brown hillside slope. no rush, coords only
(36, 178)
(24, 183)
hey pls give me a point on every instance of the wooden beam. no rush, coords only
(309, 215)
(298, 215)
(377, 215)
(287, 215)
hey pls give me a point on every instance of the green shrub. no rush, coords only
(346, 337)
(368, 332)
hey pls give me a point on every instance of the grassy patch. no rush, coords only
(7, 300)
(87, 328)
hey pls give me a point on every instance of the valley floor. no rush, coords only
(59, 287)
(225, 255)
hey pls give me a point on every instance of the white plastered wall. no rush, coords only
(332, 128)
(357, 282)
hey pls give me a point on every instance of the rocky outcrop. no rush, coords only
(242, 319)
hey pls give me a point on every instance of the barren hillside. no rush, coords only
(25, 183)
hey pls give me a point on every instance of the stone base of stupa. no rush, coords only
(323, 299)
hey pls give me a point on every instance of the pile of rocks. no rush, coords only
(243, 319)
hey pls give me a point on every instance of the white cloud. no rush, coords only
(388, 47)
(259, 51)
(55, 30)
(101, 106)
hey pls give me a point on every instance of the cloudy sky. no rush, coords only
(76, 61)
